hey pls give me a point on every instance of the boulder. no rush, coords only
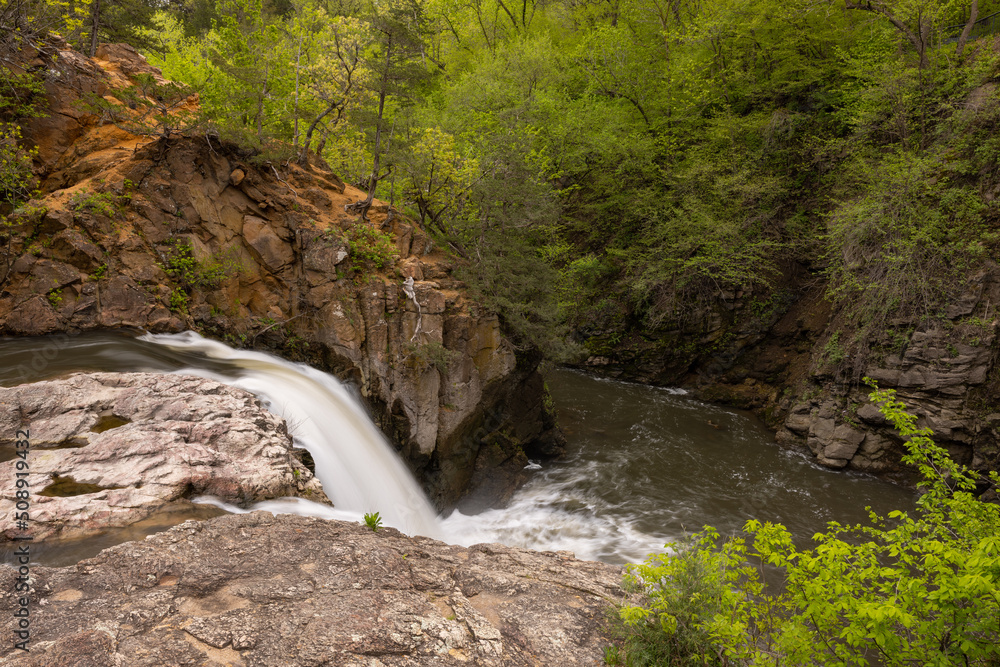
(109, 449)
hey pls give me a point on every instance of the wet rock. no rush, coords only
(273, 271)
(112, 448)
(256, 589)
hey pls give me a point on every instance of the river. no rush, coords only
(644, 465)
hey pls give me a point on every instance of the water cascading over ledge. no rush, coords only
(457, 401)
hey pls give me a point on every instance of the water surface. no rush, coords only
(644, 466)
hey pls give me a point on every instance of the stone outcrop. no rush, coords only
(109, 449)
(166, 233)
(941, 372)
(787, 355)
(255, 589)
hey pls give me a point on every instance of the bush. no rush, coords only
(904, 590)
(189, 273)
(370, 247)
(17, 182)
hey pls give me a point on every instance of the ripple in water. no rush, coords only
(648, 465)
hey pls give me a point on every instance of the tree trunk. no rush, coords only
(304, 153)
(298, 65)
(95, 25)
(967, 31)
(920, 39)
(363, 205)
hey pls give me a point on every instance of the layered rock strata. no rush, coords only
(166, 233)
(788, 355)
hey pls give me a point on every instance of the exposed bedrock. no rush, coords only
(110, 449)
(173, 233)
(255, 589)
(788, 354)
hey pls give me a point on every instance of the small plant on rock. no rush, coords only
(373, 521)
(107, 204)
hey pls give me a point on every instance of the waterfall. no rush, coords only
(357, 466)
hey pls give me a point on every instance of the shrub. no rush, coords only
(17, 182)
(906, 589)
(107, 204)
(370, 247)
(191, 273)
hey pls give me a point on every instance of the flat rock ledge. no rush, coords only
(281, 591)
(109, 449)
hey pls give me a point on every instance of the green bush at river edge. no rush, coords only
(920, 589)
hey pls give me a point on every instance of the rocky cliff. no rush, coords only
(787, 354)
(173, 232)
(255, 589)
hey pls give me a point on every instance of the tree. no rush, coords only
(395, 61)
(126, 21)
(441, 180)
(331, 74)
(247, 52)
(916, 20)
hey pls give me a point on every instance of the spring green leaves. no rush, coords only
(373, 521)
(920, 588)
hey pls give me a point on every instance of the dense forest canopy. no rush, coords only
(616, 163)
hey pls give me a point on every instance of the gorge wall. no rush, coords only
(786, 354)
(171, 232)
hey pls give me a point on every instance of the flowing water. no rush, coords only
(644, 465)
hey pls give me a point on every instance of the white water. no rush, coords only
(645, 465)
(359, 470)
(361, 473)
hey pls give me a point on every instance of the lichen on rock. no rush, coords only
(110, 449)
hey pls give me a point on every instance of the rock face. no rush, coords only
(942, 372)
(175, 233)
(787, 356)
(109, 449)
(254, 589)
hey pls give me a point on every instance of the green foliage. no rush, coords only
(626, 165)
(373, 521)
(906, 243)
(108, 204)
(22, 95)
(427, 355)
(178, 300)
(370, 248)
(190, 273)
(55, 297)
(146, 108)
(17, 181)
(833, 350)
(906, 589)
